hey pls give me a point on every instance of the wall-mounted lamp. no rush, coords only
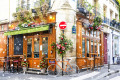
(51, 17)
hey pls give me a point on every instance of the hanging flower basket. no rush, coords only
(63, 45)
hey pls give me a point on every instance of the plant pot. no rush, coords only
(24, 69)
(43, 70)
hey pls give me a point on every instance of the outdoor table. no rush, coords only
(94, 58)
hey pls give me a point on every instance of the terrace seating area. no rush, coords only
(12, 64)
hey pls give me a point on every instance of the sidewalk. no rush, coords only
(86, 75)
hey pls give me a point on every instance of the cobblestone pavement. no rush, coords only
(86, 75)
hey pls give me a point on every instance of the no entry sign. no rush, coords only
(62, 25)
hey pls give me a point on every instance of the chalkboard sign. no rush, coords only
(18, 44)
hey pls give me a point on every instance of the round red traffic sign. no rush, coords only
(62, 25)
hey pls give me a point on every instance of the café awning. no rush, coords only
(28, 30)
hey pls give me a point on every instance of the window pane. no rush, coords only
(2, 27)
(83, 47)
(36, 47)
(29, 47)
(91, 33)
(95, 47)
(94, 33)
(98, 34)
(87, 32)
(83, 31)
(91, 46)
(98, 49)
(45, 46)
(87, 47)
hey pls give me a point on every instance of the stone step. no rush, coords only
(34, 69)
(35, 72)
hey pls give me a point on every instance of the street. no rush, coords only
(86, 75)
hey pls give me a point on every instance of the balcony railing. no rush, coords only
(109, 22)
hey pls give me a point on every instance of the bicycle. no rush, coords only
(55, 69)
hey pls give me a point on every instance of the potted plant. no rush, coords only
(24, 63)
(63, 45)
(43, 64)
(113, 22)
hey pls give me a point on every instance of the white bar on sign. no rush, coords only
(62, 25)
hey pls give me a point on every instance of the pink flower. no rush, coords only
(58, 46)
(63, 48)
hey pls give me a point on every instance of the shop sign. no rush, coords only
(73, 29)
(62, 25)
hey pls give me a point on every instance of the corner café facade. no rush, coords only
(88, 43)
(36, 41)
(33, 41)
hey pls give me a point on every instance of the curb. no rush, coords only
(113, 72)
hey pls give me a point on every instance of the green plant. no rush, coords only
(63, 45)
(24, 62)
(43, 62)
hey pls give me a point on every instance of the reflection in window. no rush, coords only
(91, 46)
(83, 31)
(87, 47)
(83, 47)
(36, 47)
(29, 47)
(95, 47)
(45, 46)
(98, 49)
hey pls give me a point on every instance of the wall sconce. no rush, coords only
(51, 17)
(11, 26)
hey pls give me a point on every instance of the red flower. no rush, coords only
(65, 43)
(61, 38)
(52, 46)
(91, 27)
(60, 52)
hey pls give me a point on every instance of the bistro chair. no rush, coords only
(6, 64)
(17, 64)
(90, 61)
(98, 62)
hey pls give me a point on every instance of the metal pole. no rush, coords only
(62, 55)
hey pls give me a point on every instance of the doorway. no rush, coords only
(105, 48)
(36, 47)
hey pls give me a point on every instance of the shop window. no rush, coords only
(83, 47)
(45, 46)
(18, 44)
(83, 31)
(29, 47)
(36, 47)
(91, 46)
(87, 47)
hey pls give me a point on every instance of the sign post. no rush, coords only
(62, 26)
